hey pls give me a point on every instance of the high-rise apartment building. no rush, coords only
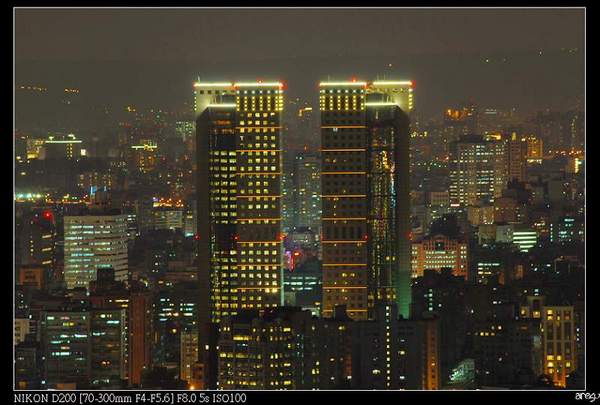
(108, 348)
(139, 327)
(263, 352)
(92, 241)
(558, 342)
(238, 131)
(365, 194)
(136, 301)
(188, 354)
(65, 337)
(477, 171)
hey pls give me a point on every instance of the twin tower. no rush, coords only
(365, 196)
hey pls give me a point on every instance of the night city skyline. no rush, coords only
(299, 198)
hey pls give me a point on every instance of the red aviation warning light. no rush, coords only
(48, 215)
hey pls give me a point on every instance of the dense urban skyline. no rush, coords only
(267, 199)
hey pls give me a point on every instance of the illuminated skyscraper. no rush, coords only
(365, 195)
(238, 131)
(477, 171)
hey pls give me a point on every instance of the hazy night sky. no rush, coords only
(122, 51)
(178, 34)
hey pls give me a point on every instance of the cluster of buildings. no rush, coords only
(397, 254)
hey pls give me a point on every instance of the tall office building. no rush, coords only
(92, 241)
(477, 171)
(238, 131)
(136, 301)
(517, 158)
(308, 191)
(365, 195)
